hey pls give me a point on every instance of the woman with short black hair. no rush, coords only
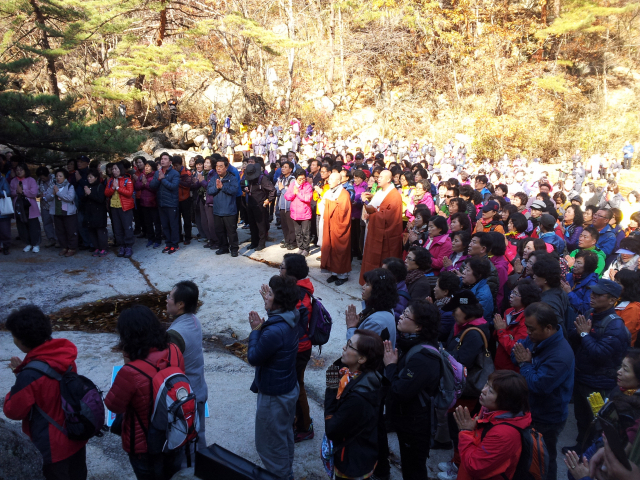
(418, 262)
(414, 372)
(273, 347)
(26, 188)
(547, 275)
(438, 243)
(61, 198)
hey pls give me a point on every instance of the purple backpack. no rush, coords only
(319, 321)
(81, 403)
(453, 379)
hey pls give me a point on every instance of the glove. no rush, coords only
(333, 377)
(596, 402)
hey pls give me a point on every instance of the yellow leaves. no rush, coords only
(555, 84)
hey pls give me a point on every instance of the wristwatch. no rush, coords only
(584, 334)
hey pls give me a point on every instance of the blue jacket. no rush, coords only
(599, 355)
(236, 173)
(273, 350)
(552, 239)
(446, 325)
(167, 188)
(549, 377)
(224, 200)
(403, 301)
(483, 293)
(628, 150)
(607, 240)
(580, 296)
(6, 190)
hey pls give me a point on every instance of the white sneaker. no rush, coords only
(27, 248)
(36, 249)
(447, 476)
(446, 466)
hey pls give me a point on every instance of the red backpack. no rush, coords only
(173, 417)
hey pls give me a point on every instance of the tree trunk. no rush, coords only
(344, 74)
(137, 103)
(556, 8)
(292, 53)
(543, 12)
(332, 59)
(52, 74)
(163, 27)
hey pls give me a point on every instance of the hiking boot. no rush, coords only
(341, 281)
(128, 252)
(157, 245)
(121, 252)
(283, 245)
(252, 246)
(70, 253)
(332, 279)
(95, 253)
(63, 252)
(260, 247)
(291, 247)
(222, 251)
(302, 436)
(187, 242)
(234, 254)
(166, 249)
(103, 253)
(149, 243)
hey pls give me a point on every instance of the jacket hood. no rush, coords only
(497, 417)
(292, 317)
(306, 283)
(58, 353)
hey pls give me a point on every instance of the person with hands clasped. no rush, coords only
(512, 328)
(352, 403)
(61, 198)
(166, 183)
(547, 363)
(490, 443)
(119, 191)
(600, 342)
(272, 349)
(224, 188)
(414, 372)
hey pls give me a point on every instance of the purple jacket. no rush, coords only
(356, 207)
(30, 190)
(147, 196)
(403, 301)
(300, 202)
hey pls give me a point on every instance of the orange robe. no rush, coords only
(384, 234)
(335, 254)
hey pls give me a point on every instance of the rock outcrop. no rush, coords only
(19, 458)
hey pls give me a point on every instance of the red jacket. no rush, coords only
(125, 190)
(304, 306)
(498, 453)
(35, 388)
(439, 248)
(131, 394)
(507, 338)
(184, 190)
(147, 196)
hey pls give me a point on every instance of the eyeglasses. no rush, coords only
(514, 294)
(405, 315)
(169, 297)
(597, 215)
(283, 267)
(350, 345)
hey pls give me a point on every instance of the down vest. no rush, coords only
(273, 350)
(131, 394)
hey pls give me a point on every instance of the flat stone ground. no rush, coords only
(229, 290)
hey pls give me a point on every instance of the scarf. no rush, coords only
(629, 392)
(413, 276)
(457, 329)
(442, 302)
(346, 378)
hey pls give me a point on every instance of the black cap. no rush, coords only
(252, 171)
(463, 297)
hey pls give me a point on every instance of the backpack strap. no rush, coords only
(404, 294)
(45, 369)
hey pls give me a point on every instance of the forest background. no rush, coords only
(543, 77)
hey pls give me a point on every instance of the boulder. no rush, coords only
(155, 141)
(19, 458)
(185, 127)
(327, 104)
(192, 134)
(140, 153)
(199, 140)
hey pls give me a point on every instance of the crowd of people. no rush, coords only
(531, 285)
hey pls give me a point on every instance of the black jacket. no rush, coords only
(412, 382)
(258, 190)
(420, 289)
(471, 346)
(95, 207)
(353, 419)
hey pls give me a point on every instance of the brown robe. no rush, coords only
(384, 234)
(335, 255)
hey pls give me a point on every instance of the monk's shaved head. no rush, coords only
(334, 179)
(385, 178)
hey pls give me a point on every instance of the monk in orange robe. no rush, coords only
(384, 228)
(335, 256)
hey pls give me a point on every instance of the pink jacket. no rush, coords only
(427, 200)
(30, 190)
(439, 248)
(301, 201)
